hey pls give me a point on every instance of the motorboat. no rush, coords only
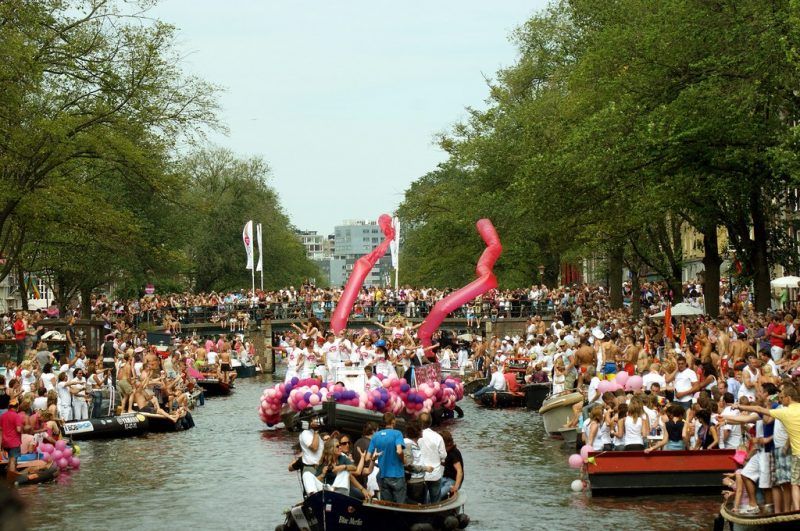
(332, 510)
(535, 394)
(556, 411)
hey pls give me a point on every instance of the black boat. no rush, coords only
(473, 385)
(243, 370)
(126, 425)
(501, 399)
(159, 424)
(215, 387)
(331, 510)
(332, 416)
(32, 476)
(535, 395)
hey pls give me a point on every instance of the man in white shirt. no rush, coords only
(433, 454)
(653, 376)
(731, 434)
(311, 446)
(750, 376)
(684, 378)
(496, 383)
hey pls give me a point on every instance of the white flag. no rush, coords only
(394, 247)
(260, 253)
(247, 237)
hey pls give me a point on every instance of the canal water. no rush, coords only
(229, 473)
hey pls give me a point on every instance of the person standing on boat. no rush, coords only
(684, 379)
(433, 450)
(387, 446)
(311, 447)
(789, 415)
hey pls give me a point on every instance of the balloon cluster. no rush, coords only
(275, 397)
(622, 380)
(577, 461)
(63, 456)
(396, 396)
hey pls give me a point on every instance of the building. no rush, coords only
(315, 244)
(352, 240)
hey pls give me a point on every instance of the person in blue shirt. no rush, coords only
(387, 446)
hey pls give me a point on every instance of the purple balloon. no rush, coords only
(307, 395)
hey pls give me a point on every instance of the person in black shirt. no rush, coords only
(453, 466)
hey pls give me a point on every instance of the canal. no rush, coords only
(229, 473)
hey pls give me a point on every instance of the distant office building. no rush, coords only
(352, 240)
(317, 246)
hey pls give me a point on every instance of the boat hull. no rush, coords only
(634, 473)
(557, 410)
(215, 387)
(501, 399)
(245, 371)
(788, 521)
(331, 510)
(118, 427)
(535, 395)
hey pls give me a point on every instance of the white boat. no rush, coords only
(556, 411)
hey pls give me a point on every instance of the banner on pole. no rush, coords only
(260, 264)
(394, 247)
(247, 237)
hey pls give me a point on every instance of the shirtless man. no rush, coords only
(584, 358)
(151, 360)
(612, 353)
(738, 349)
(143, 404)
(124, 379)
(228, 374)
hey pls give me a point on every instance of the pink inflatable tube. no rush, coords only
(485, 281)
(361, 269)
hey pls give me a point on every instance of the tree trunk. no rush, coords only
(23, 289)
(636, 294)
(86, 303)
(761, 273)
(615, 258)
(676, 285)
(711, 262)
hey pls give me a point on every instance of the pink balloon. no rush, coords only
(63, 463)
(585, 449)
(361, 269)
(67, 452)
(634, 383)
(56, 454)
(575, 461)
(313, 400)
(485, 281)
(621, 378)
(46, 456)
(604, 386)
(76, 462)
(61, 444)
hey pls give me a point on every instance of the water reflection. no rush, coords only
(229, 472)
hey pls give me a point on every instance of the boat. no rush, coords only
(788, 521)
(116, 427)
(214, 387)
(333, 416)
(638, 472)
(243, 369)
(556, 411)
(535, 395)
(35, 472)
(332, 510)
(474, 385)
(159, 424)
(501, 399)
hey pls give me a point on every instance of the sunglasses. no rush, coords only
(343, 443)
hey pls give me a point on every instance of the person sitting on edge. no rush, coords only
(387, 446)
(497, 382)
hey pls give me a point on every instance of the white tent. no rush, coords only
(680, 310)
(786, 282)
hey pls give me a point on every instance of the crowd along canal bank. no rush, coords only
(229, 472)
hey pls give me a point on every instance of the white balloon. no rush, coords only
(577, 485)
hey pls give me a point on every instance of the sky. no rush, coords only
(344, 98)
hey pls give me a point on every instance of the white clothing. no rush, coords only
(40, 402)
(749, 392)
(433, 452)
(498, 381)
(633, 431)
(212, 356)
(684, 381)
(373, 383)
(49, 381)
(310, 457)
(735, 437)
(653, 377)
(593, 385)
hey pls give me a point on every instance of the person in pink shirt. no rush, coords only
(11, 423)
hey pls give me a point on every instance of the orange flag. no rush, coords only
(646, 343)
(668, 332)
(683, 334)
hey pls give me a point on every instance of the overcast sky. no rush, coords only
(343, 98)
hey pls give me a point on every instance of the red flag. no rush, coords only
(668, 332)
(646, 343)
(683, 334)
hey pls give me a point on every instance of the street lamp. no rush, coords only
(541, 274)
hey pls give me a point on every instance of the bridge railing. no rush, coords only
(381, 312)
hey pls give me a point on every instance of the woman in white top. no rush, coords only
(80, 406)
(64, 397)
(27, 377)
(48, 378)
(598, 432)
(634, 427)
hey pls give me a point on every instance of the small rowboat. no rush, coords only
(772, 521)
(635, 473)
(556, 411)
(36, 472)
(535, 394)
(501, 399)
(214, 387)
(331, 510)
